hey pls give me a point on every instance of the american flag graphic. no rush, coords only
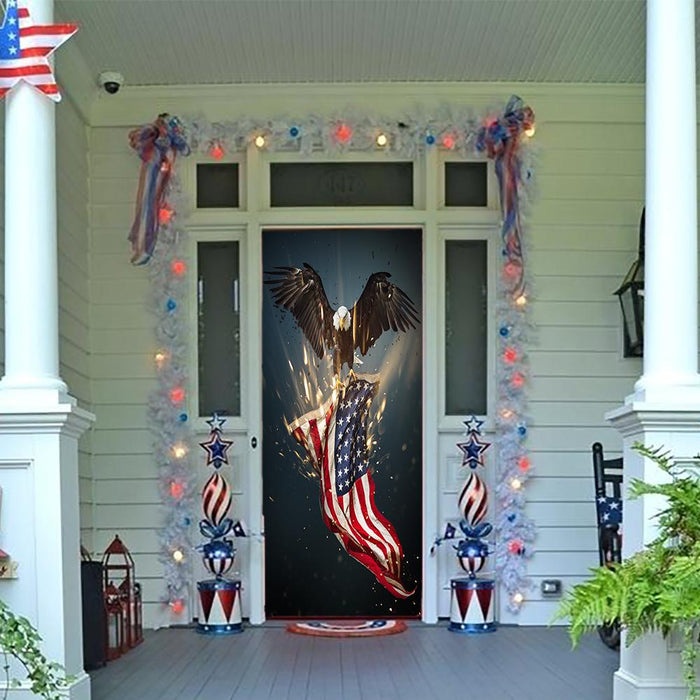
(335, 438)
(25, 48)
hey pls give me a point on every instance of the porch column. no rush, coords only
(39, 422)
(664, 409)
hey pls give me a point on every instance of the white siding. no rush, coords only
(583, 235)
(72, 203)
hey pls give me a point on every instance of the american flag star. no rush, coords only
(609, 510)
(473, 450)
(25, 48)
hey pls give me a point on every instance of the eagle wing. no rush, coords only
(382, 305)
(301, 292)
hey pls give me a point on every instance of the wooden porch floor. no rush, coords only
(518, 663)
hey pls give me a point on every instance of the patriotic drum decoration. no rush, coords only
(219, 599)
(472, 606)
(219, 607)
(472, 555)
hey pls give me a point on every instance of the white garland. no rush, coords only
(406, 137)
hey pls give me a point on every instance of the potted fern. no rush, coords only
(20, 640)
(657, 589)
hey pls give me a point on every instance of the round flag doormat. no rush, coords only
(348, 628)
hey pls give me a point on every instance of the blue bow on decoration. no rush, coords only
(477, 531)
(215, 531)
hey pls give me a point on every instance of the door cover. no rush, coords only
(342, 457)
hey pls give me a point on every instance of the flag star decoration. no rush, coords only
(473, 451)
(473, 424)
(25, 48)
(217, 449)
(609, 510)
(216, 422)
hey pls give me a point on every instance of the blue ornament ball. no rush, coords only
(511, 517)
(171, 305)
(522, 430)
(182, 418)
(504, 331)
(294, 132)
(430, 139)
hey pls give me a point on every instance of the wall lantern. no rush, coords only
(119, 567)
(631, 296)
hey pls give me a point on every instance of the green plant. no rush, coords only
(19, 639)
(658, 588)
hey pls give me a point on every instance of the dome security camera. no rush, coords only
(110, 82)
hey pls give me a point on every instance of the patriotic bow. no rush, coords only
(157, 145)
(477, 531)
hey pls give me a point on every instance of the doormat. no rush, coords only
(348, 628)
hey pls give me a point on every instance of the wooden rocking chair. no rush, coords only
(608, 494)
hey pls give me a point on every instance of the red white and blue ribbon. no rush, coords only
(157, 145)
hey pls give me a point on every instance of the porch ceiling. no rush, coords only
(160, 42)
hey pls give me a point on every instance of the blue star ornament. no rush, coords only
(473, 425)
(473, 451)
(217, 449)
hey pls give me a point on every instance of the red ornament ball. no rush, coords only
(343, 133)
(177, 394)
(510, 355)
(178, 267)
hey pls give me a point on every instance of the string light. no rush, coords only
(510, 269)
(165, 166)
(164, 215)
(518, 598)
(343, 133)
(178, 556)
(179, 451)
(521, 300)
(517, 380)
(510, 355)
(382, 140)
(524, 464)
(505, 413)
(178, 606)
(448, 141)
(216, 151)
(516, 484)
(178, 267)
(529, 131)
(160, 357)
(177, 490)
(515, 547)
(260, 141)
(177, 394)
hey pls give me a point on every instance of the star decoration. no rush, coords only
(473, 450)
(215, 422)
(217, 449)
(25, 48)
(473, 425)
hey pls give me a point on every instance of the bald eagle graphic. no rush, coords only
(381, 306)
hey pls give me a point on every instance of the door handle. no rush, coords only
(253, 442)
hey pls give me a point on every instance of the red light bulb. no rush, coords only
(177, 490)
(164, 215)
(510, 355)
(178, 267)
(515, 546)
(216, 151)
(343, 133)
(178, 606)
(448, 141)
(523, 464)
(517, 380)
(177, 395)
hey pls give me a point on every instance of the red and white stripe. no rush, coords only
(216, 498)
(36, 42)
(354, 518)
(474, 499)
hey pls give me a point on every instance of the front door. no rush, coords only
(338, 547)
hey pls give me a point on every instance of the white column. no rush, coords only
(664, 410)
(31, 270)
(671, 273)
(39, 422)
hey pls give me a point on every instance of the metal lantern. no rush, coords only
(118, 566)
(116, 608)
(631, 296)
(137, 619)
